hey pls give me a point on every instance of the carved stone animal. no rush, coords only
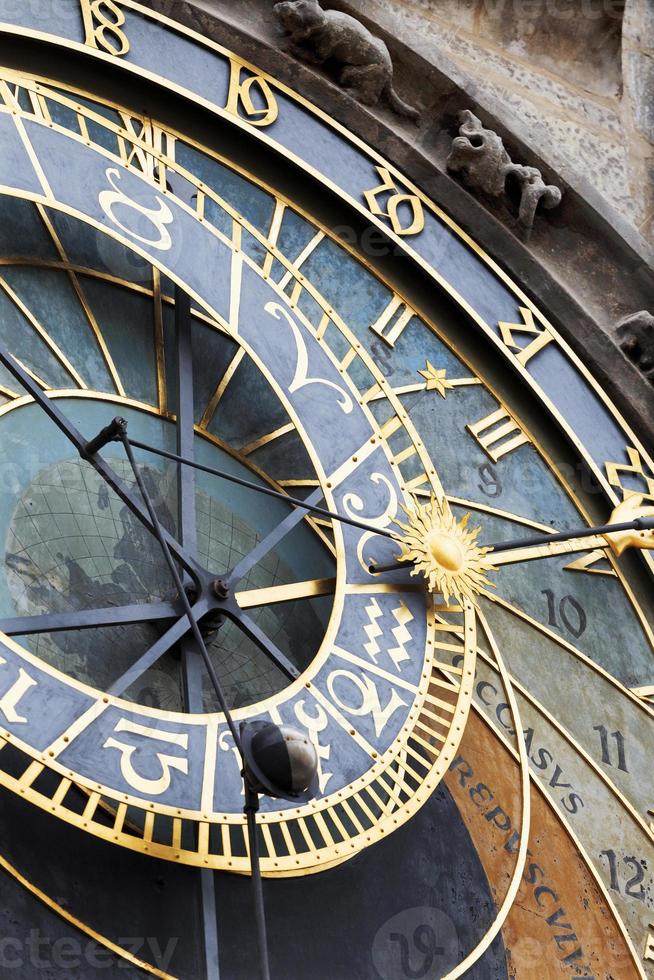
(361, 61)
(480, 156)
(635, 335)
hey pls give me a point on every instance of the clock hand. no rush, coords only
(631, 525)
(295, 501)
(88, 451)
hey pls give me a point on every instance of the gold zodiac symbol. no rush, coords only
(103, 20)
(240, 100)
(395, 201)
(159, 217)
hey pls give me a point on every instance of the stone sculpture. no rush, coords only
(480, 156)
(361, 62)
(635, 335)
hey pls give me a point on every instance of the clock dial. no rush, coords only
(142, 274)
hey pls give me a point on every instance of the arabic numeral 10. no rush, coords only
(567, 611)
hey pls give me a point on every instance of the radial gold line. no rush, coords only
(209, 774)
(203, 838)
(390, 789)
(444, 705)
(364, 806)
(78, 726)
(446, 685)
(121, 813)
(441, 665)
(148, 825)
(270, 595)
(431, 749)
(264, 440)
(390, 427)
(8, 393)
(177, 833)
(372, 792)
(323, 829)
(344, 470)
(451, 647)
(405, 454)
(347, 359)
(225, 839)
(397, 780)
(374, 669)
(325, 320)
(352, 816)
(214, 401)
(339, 824)
(298, 483)
(430, 732)
(373, 395)
(267, 836)
(435, 717)
(31, 152)
(159, 346)
(88, 312)
(308, 840)
(43, 334)
(288, 840)
(273, 235)
(295, 293)
(32, 772)
(361, 588)
(551, 550)
(91, 806)
(62, 789)
(235, 291)
(301, 259)
(341, 720)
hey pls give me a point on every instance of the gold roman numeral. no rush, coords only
(158, 142)
(542, 337)
(498, 434)
(392, 321)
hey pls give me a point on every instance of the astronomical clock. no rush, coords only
(397, 534)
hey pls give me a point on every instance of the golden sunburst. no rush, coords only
(443, 549)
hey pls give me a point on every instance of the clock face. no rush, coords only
(145, 276)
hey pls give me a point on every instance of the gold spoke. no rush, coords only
(86, 309)
(210, 410)
(285, 593)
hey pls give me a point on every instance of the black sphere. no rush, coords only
(281, 760)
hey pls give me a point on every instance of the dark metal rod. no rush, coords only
(266, 545)
(639, 524)
(82, 446)
(251, 797)
(267, 490)
(251, 807)
(174, 571)
(84, 619)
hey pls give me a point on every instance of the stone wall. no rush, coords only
(573, 79)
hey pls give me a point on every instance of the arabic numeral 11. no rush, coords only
(607, 755)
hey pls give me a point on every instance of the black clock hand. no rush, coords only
(90, 454)
(295, 501)
(617, 534)
(637, 524)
